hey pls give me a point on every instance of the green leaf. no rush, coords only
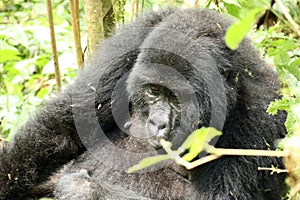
(278, 43)
(282, 58)
(294, 68)
(289, 45)
(147, 162)
(11, 74)
(282, 104)
(290, 122)
(233, 10)
(232, 2)
(272, 51)
(42, 93)
(8, 55)
(196, 142)
(236, 32)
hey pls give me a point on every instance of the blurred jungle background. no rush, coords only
(28, 74)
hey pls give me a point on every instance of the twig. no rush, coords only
(74, 8)
(246, 152)
(143, 4)
(137, 2)
(287, 15)
(201, 161)
(53, 44)
(273, 169)
(175, 155)
(216, 153)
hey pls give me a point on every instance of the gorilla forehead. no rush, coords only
(161, 71)
(185, 60)
(172, 56)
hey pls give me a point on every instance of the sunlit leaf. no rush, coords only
(196, 142)
(294, 68)
(233, 10)
(9, 55)
(232, 2)
(276, 105)
(147, 162)
(282, 58)
(236, 33)
(42, 93)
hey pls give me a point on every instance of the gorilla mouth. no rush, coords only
(155, 142)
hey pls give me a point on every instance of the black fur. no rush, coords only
(190, 42)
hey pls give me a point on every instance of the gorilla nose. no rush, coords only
(159, 126)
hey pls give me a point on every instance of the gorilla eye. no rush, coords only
(154, 89)
(172, 94)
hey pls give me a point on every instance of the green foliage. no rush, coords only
(246, 14)
(283, 52)
(26, 70)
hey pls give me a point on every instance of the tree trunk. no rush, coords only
(101, 17)
(94, 21)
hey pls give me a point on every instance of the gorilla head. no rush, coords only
(173, 91)
(163, 76)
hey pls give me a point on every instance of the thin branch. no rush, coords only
(137, 2)
(246, 152)
(143, 5)
(273, 169)
(175, 155)
(53, 44)
(201, 161)
(74, 8)
(287, 15)
(216, 153)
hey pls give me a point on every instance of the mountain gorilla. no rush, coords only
(163, 76)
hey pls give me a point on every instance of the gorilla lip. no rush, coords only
(155, 142)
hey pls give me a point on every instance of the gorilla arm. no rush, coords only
(43, 144)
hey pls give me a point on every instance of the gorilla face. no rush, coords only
(159, 113)
(163, 103)
(172, 92)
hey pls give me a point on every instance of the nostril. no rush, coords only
(161, 127)
(158, 124)
(152, 122)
